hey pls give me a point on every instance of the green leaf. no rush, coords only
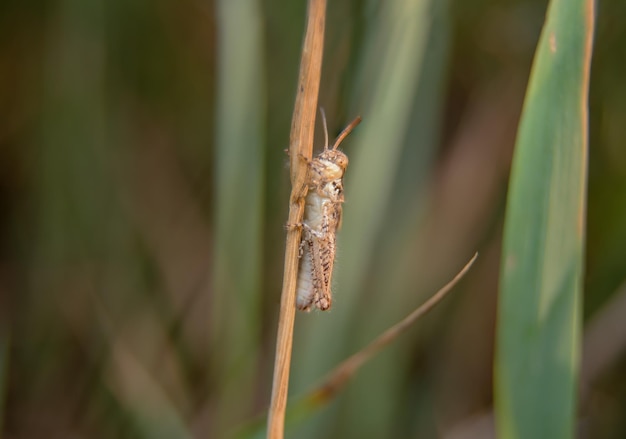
(539, 330)
(240, 188)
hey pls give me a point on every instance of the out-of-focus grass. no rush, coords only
(240, 170)
(4, 371)
(141, 242)
(539, 320)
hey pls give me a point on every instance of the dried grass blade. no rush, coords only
(338, 377)
(300, 143)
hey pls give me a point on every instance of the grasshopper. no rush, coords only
(322, 219)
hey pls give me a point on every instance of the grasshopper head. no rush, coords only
(333, 158)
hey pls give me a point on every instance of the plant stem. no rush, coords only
(300, 144)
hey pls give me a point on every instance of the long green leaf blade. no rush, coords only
(240, 182)
(539, 329)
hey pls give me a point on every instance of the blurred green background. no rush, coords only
(144, 188)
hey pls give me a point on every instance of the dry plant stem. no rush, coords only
(300, 144)
(340, 375)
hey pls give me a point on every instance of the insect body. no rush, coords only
(322, 218)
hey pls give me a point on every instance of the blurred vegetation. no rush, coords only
(144, 190)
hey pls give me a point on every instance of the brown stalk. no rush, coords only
(300, 145)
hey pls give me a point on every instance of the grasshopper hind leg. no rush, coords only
(323, 301)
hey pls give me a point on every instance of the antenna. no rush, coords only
(347, 130)
(325, 128)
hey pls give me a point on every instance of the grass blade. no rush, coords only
(239, 204)
(539, 333)
(300, 144)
